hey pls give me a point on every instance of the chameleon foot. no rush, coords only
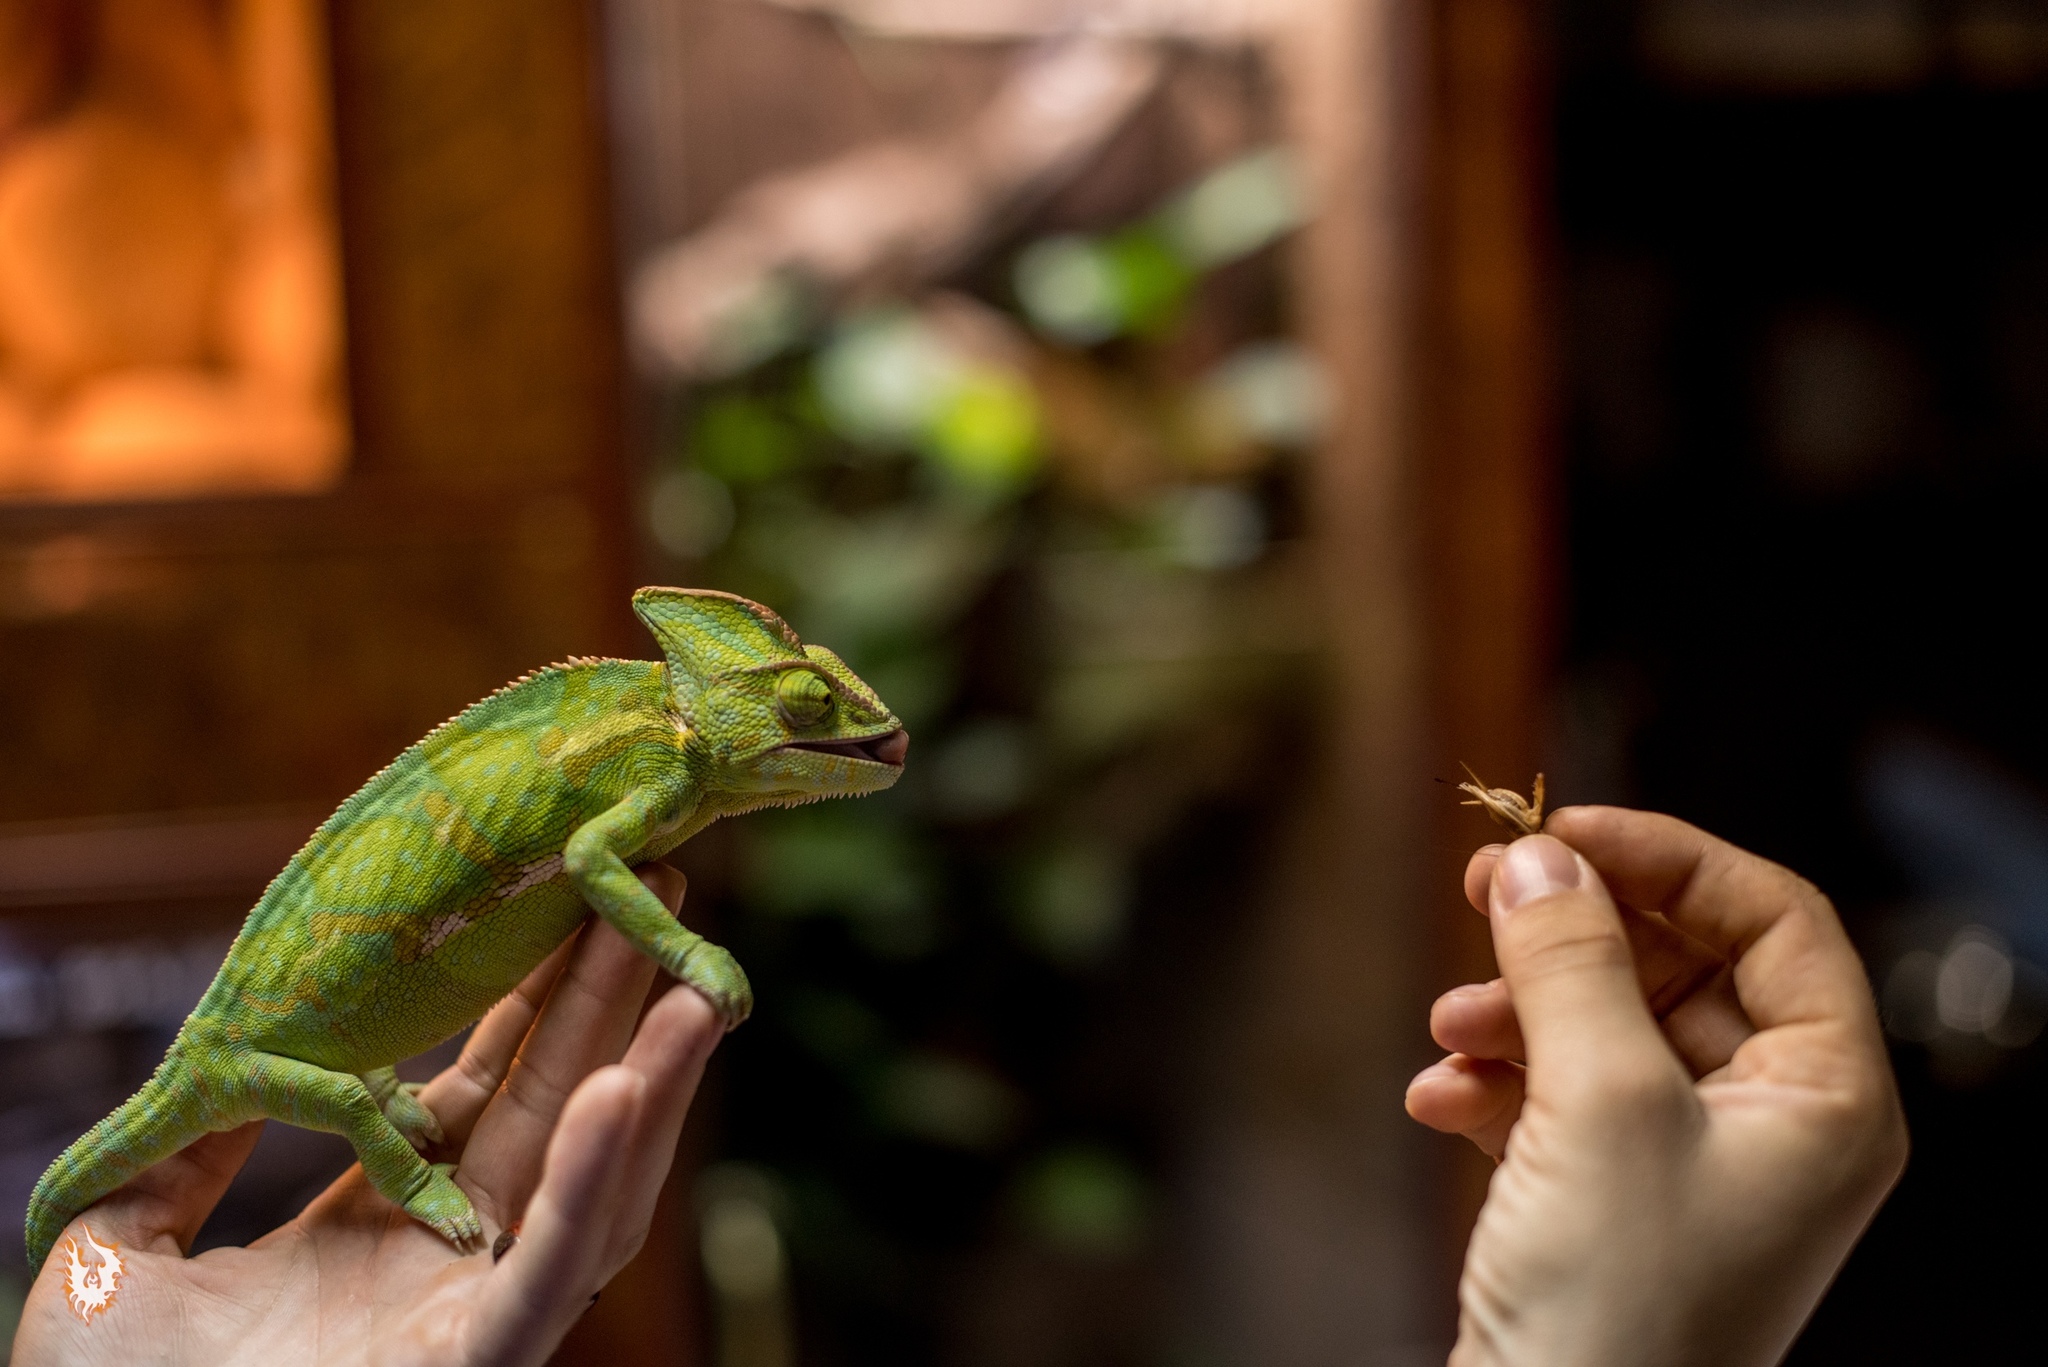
(444, 1208)
(411, 1118)
(718, 976)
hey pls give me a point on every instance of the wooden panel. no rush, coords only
(1319, 1236)
(1491, 504)
(481, 307)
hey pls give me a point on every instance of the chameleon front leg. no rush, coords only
(594, 860)
(316, 1098)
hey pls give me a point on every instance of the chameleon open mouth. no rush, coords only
(889, 749)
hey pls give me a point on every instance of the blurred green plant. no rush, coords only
(1083, 1200)
(1084, 290)
(1054, 540)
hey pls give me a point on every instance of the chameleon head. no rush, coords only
(773, 716)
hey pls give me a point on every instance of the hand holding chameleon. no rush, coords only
(563, 1110)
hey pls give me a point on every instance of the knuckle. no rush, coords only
(1806, 895)
(1740, 875)
(1568, 941)
(477, 1072)
(1805, 889)
(530, 1089)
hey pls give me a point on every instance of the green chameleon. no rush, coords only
(455, 870)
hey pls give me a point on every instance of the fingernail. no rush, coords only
(1493, 850)
(1533, 867)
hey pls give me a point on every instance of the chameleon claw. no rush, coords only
(719, 979)
(411, 1117)
(445, 1208)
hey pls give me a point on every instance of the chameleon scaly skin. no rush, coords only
(455, 870)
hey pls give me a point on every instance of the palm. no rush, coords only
(547, 1133)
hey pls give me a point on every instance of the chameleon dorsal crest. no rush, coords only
(706, 635)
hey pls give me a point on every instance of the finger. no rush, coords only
(1670, 962)
(1684, 980)
(1709, 1025)
(1568, 964)
(162, 1207)
(1793, 960)
(1704, 1025)
(669, 1051)
(544, 1283)
(1478, 1098)
(1690, 990)
(1477, 1019)
(586, 1023)
(1479, 875)
(458, 1094)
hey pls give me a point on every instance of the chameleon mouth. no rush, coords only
(887, 749)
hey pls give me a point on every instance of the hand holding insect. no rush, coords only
(1685, 1084)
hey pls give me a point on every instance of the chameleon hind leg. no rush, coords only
(316, 1098)
(401, 1104)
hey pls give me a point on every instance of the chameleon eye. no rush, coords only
(802, 697)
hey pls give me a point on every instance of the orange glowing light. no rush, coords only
(170, 320)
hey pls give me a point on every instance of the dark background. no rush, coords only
(1754, 611)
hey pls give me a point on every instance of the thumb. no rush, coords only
(1566, 959)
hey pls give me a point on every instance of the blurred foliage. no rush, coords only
(1048, 513)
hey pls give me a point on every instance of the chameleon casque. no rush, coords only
(456, 869)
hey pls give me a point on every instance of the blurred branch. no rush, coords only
(1214, 21)
(896, 211)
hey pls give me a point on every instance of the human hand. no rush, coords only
(1688, 1095)
(564, 1118)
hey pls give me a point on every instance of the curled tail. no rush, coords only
(166, 1115)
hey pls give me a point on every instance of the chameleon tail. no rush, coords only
(166, 1115)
